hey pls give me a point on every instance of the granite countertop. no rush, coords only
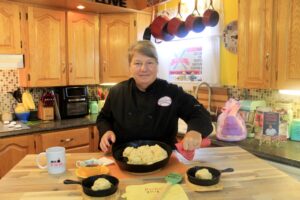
(286, 153)
(44, 126)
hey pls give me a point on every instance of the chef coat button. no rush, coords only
(150, 116)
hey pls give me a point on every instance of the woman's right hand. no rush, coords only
(107, 139)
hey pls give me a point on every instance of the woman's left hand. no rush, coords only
(192, 140)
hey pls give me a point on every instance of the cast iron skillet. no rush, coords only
(206, 182)
(88, 182)
(121, 161)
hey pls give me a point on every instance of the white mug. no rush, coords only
(56, 160)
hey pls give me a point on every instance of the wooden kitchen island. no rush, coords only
(252, 179)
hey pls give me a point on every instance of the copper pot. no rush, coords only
(194, 22)
(159, 28)
(176, 26)
(211, 16)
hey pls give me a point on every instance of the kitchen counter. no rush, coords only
(252, 179)
(44, 126)
(287, 153)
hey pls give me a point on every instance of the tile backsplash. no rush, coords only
(9, 82)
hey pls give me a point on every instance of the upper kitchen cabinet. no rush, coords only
(10, 28)
(50, 62)
(118, 33)
(46, 64)
(255, 43)
(288, 45)
(83, 48)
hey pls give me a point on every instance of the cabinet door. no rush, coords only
(12, 150)
(117, 34)
(255, 43)
(10, 40)
(96, 138)
(46, 47)
(74, 140)
(83, 45)
(288, 45)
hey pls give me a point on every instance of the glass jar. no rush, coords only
(93, 106)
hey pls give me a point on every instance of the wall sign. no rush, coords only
(121, 3)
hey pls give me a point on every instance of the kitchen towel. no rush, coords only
(189, 155)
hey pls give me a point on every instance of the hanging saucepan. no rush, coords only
(206, 182)
(159, 28)
(147, 32)
(87, 184)
(210, 16)
(176, 25)
(194, 22)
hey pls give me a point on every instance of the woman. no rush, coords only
(145, 107)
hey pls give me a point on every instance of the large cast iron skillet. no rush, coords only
(121, 161)
(206, 182)
(87, 184)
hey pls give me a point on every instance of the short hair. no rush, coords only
(144, 47)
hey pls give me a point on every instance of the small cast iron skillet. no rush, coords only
(121, 161)
(87, 184)
(206, 182)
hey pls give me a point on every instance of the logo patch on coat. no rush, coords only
(164, 101)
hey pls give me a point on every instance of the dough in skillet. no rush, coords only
(145, 154)
(101, 184)
(203, 174)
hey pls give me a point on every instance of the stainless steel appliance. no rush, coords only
(72, 101)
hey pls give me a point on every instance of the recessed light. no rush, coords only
(80, 7)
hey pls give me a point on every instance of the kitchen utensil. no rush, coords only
(28, 100)
(121, 161)
(210, 16)
(17, 95)
(206, 182)
(176, 26)
(87, 184)
(171, 179)
(159, 27)
(194, 22)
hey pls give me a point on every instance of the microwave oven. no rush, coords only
(72, 101)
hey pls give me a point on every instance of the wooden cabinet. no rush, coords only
(256, 43)
(46, 49)
(10, 28)
(13, 149)
(118, 33)
(96, 138)
(288, 45)
(74, 140)
(51, 63)
(83, 48)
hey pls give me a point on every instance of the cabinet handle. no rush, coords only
(104, 66)
(71, 67)
(267, 61)
(64, 67)
(67, 140)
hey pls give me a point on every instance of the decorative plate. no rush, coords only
(230, 36)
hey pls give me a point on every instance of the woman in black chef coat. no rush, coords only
(145, 107)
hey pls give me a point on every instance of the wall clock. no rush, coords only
(230, 36)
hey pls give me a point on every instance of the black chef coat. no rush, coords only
(151, 115)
